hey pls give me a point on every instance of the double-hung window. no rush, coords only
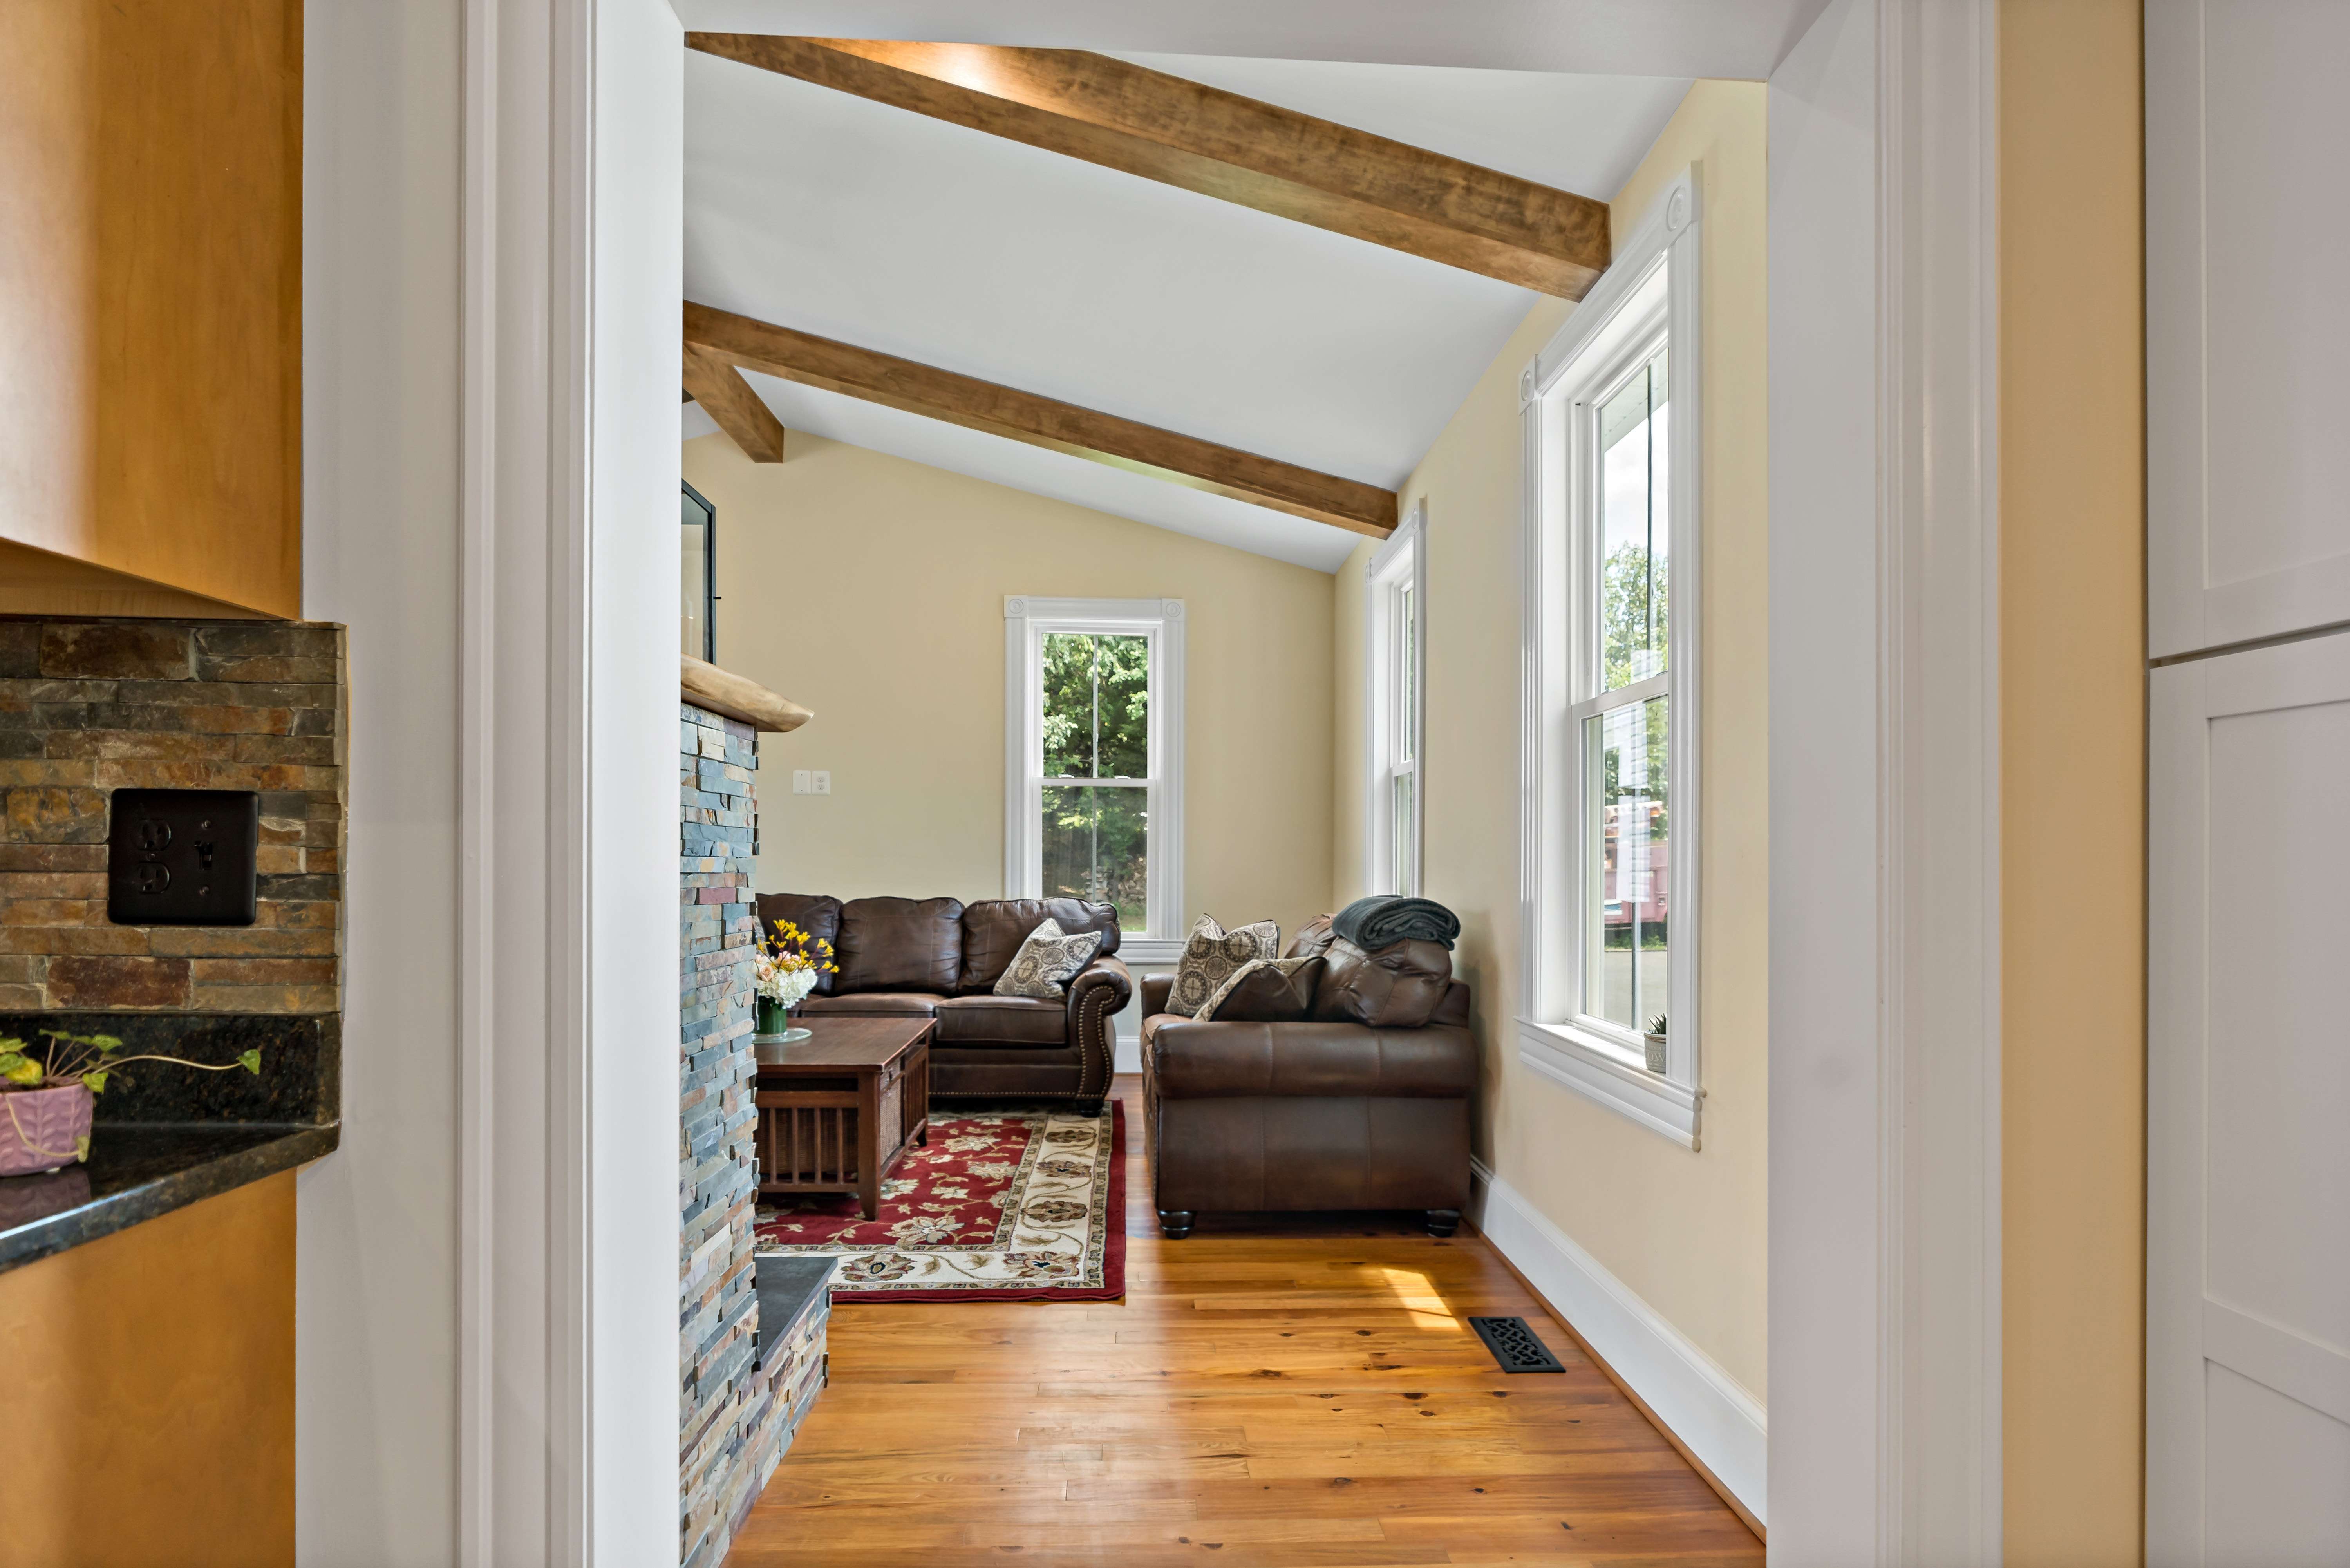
(1609, 728)
(1394, 624)
(1092, 748)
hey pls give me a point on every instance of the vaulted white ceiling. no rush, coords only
(1740, 38)
(853, 220)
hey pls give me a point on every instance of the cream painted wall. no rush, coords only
(1685, 1231)
(871, 589)
(2071, 596)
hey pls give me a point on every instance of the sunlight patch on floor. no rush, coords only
(1417, 1294)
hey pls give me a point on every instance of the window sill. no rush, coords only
(1602, 1072)
(1155, 952)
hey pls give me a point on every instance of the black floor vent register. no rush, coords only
(1514, 1345)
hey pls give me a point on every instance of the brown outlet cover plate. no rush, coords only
(181, 857)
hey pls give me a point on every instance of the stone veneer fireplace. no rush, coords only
(744, 1385)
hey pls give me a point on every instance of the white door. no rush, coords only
(2248, 1110)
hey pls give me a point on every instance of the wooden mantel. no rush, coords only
(706, 686)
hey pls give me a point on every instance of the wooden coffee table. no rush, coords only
(837, 1109)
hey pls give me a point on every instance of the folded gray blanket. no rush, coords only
(1380, 921)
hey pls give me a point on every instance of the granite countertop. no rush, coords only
(137, 1170)
(166, 1138)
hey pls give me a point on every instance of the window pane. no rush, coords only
(1096, 705)
(1400, 845)
(1122, 674)
(1627, 960)
(1634, 535)
(1097, 846)
(1068, 706)
(1406, 663)
(693, 626)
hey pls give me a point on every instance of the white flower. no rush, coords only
(788, 986)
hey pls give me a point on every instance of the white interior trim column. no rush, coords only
(571, 170)
(1885, 1042)
(521, 932)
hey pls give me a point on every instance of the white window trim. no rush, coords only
(1025, 620)
(1401, 560)
(1594, 345)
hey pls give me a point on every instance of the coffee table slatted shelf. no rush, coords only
(838, 1110)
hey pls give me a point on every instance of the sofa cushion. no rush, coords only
(1398, 987)
(873, 1004)
(1211, 954)
(815, 913)
(994, 929)
(1313, 938)
(900, 944)
(1002, 1021)
(1266, 991)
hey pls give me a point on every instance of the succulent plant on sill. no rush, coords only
(46, 1094)
(1654, 1044)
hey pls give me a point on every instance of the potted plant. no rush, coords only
(47, 1094)
(1654, 1043)
(785, 970)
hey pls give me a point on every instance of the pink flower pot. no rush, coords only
(43, 1129)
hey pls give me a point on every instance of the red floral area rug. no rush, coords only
(1011, 1205)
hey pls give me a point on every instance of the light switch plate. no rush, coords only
(800, 782)
(181, 857)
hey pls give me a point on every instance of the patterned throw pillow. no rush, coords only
(1264, 991)
(1046, 960)
(1212, 955)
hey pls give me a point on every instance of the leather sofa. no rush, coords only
(1325, 1112)
(940, 958)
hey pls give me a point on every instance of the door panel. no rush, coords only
(2247, 1268)
(2276, 1477)
(2279, 1080)
(2247, 502)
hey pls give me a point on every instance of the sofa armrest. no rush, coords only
(1097, 993)
(1310, 1061)
(1156, 990)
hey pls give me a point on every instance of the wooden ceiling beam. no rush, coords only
(739, 341)
(1218, 144)
(728, 399)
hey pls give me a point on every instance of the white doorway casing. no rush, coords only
(485, 1276)
(537, 401)
(1885, 1041)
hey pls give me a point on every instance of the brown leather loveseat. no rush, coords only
(1360, 1103)
(940, 957)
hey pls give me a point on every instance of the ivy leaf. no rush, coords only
(106, 1043)
(95, 1080)
(21, 1070)
(81, 1148)
(251, 1062)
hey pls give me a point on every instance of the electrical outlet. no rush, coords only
(183, 857)
(800, 784)
(823, 781)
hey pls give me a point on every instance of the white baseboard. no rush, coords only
(1718, 1420)
(1129, 1040)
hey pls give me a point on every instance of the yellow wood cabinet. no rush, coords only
(150, 310)
(150, 1400)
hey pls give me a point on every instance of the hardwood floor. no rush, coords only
(1273, 1391)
